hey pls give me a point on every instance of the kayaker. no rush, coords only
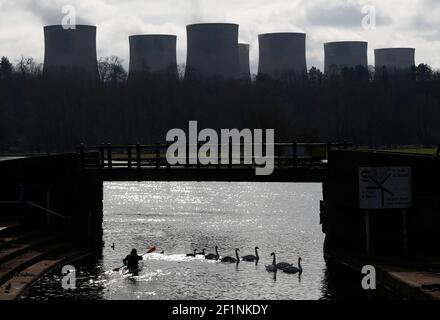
(132, 260)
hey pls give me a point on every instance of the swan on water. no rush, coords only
(251, 257)
(272, 267)
(281, 265)
(192, 254)
(293, 269)
(277, 266)
(202, 253)
(213, 256)
(229, 259)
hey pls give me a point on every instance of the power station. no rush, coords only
(282, 54)
(212, 51)
(153, 54)
(394, 59)
(243, 55)
(342, 54)
(70, 52)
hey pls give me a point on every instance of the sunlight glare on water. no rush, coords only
(179, 217)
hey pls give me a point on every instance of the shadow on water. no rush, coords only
(342, 283)
(90, 283)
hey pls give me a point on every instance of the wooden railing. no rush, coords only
(147, 157)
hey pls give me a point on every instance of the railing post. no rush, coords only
(230, 156)
(81, 156)
(129, 156)
(329, 148)
(157, 156)
(138, 156)
(295, 155)
(101, 156)
(166, 160)
(187, 154)
(109, 155)
(197, 157)
(278, 153)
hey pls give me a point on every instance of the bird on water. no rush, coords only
(277, 266)
(251, 257)
(213, 256)
(229, 259)
(192, 254)
(293, 269)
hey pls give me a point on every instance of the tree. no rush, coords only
(315, 76)
(6, 69)
(27, 66)
(111, 70)
(423, 72)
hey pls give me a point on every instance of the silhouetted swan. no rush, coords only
(162, 252)
(229, 259)
(202, 253)
(277, 266)
(281, 265)
(293, 269)
(251, 257)
(192, 254)
(272, 267)
(212, 256)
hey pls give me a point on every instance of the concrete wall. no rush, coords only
(282, 53)
(70, 52)
(212, 51)
(345, 54)
(153, 54)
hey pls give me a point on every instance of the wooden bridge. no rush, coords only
(293, 162)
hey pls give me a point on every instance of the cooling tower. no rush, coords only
(348, 54)
(394, 59)
(282, 53)
(243, 55)
(212, 51)
(153, 54)
(70, 52)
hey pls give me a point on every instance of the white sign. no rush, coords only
(385, 188)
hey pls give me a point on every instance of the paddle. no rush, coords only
(150, 250)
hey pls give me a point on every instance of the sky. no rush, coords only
(408, 23)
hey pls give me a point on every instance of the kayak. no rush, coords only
(127, 271)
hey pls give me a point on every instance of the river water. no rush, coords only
(178, 217)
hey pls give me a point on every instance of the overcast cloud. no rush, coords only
(413, 23)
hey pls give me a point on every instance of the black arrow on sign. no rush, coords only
(380, 186)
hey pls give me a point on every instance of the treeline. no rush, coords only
(40, 114)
